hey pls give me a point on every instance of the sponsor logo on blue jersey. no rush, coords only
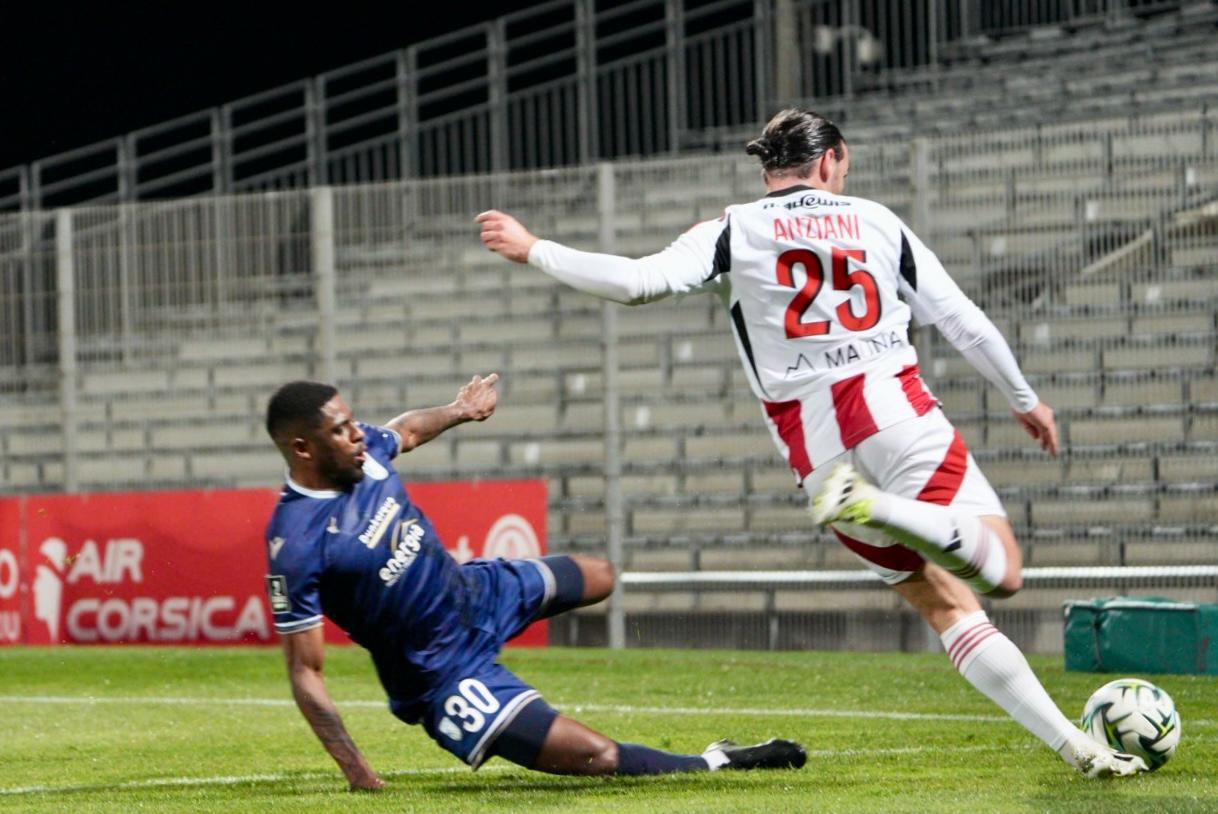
(407, 541)
(380, 522)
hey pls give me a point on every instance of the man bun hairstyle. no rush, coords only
(795, 138)
(296, 406)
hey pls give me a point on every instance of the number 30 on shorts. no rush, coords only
(468, 709)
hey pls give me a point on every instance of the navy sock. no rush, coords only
(634, 758)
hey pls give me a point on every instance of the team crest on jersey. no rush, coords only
(374, 469)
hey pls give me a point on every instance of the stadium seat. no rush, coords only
(204, 436)
(1198, 353)
(1080, 511)
(1021, 472)
(111, 469)
(261, 465)
(670, 521)
(638, 448)
(714, 480)
(552, 450)
(1109, 469)
(730, 444)
(125, 381)
(1124, 430)
(781, 517)
(1145, 391)
(1201, 467)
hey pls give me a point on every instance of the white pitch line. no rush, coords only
(788, 713)
(159, 699)
(572, 707)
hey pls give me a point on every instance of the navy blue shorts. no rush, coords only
(470, 710)
(470, 713)
(513, 594)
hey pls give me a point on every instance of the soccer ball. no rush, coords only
(1134, 716)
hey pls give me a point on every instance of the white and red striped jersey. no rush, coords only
(820, 289)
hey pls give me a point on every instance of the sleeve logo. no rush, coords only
(277, 590)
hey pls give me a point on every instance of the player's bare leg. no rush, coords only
(570, 747)
(979, 550)
(994, 665)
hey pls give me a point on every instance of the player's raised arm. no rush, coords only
(475, 401)
(935, 298)
(305, 653)
(684, 266)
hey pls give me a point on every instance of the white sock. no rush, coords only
(993, 664)
(961, 543)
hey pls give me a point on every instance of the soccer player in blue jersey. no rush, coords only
(346, 541)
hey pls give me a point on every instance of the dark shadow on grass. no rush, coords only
(562, 783)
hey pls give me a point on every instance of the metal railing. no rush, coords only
(565, 82)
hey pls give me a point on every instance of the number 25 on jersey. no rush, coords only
(843, 280)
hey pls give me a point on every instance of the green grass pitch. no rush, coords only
(214, 730)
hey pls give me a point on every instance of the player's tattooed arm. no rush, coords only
(305, 653)
(475, 401)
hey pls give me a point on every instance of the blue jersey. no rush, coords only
(369, 559)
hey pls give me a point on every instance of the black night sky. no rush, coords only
(75, 73)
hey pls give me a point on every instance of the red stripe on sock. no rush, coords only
(966, 637)
(786, 417)
(945, 482)
(854, 419)
(975, 644)
(915, 389)
(893, 557)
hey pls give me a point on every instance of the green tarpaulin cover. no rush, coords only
(1131, 634)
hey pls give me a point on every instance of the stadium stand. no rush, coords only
(1091, 236)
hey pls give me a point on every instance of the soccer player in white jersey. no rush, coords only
(820, 288)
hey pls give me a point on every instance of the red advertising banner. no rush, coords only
(188, 567)
(11, 573)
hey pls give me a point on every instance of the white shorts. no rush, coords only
(924, 458)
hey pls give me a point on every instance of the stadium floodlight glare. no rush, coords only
(867, 47)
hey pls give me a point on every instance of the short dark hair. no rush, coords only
(296, 406)
(795, 138)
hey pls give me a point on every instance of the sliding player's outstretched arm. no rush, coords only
(685, 266)
(475, 401)
(935, 298)
(305, 653)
